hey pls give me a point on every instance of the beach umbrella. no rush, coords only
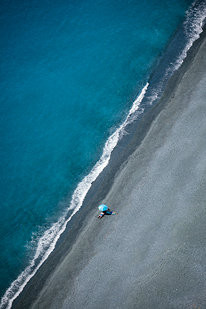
(103, 207)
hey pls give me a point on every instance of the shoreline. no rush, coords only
(86, 219)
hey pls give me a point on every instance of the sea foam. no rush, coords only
(191, 30)
(46, 244)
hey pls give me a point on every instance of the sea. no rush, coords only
(73, 75)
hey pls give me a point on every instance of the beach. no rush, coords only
(152, 254)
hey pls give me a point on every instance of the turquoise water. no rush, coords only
(70, 72)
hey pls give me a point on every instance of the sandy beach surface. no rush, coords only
(152, 254)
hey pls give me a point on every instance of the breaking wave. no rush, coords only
(192, 28)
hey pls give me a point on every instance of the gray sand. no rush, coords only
(152, 254)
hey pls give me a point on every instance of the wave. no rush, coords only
(192, 27)
(47, 242)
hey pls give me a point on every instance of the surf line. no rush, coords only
(47, 242)
(195, 20)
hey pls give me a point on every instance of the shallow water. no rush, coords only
(70, 74)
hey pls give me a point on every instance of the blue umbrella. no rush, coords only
(103, 207)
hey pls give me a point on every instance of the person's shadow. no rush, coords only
(108, 212)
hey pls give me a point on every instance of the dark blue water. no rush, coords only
(70, 71)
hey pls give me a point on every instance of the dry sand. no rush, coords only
(152, 254)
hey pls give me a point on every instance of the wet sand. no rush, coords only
(152, 254)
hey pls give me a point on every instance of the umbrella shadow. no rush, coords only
(106, 212)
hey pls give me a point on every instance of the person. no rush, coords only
(106, 212)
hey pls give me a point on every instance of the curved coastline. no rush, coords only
(81, 244)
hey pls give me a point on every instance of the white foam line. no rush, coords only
(193, 27)
(47, 242)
